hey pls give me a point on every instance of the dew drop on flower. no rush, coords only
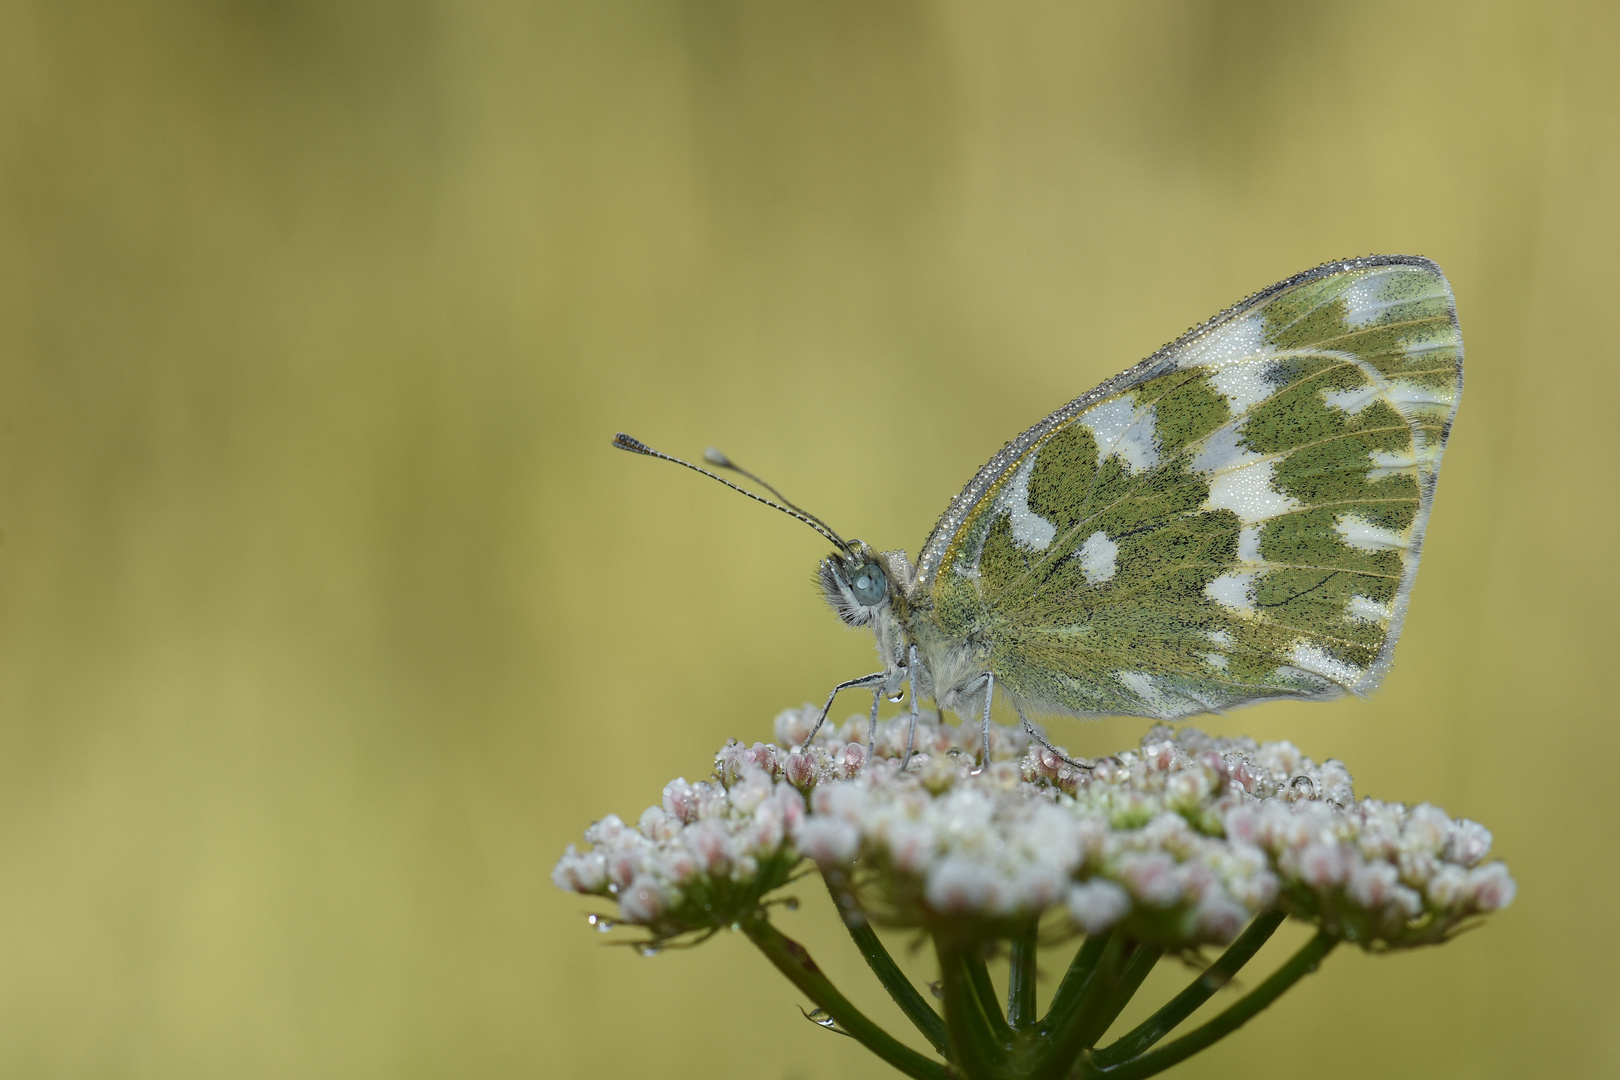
(602, 925)
(1305, 785)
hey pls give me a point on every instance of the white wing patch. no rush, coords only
(1363, 535)
(1237, 340)
(1234, 592)
(1364, 609)
(1097, 558)
(1403, 392)
(1388, 463)
(1352, 401)
(1309, 658)
(1244, 384)
(1123, 431)
(1223, 450)
(1249, 543)
(1248, 492)
(1158, 702)
(1030, 531)
(1364, 300)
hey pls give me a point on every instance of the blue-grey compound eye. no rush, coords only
(868, 584)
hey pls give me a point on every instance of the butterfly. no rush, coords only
(1237, 518)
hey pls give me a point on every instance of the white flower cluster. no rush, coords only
(1179, 842)
(705, 857)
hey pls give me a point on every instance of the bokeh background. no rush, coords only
(328, 616)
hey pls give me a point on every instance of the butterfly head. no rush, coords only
(855, 582)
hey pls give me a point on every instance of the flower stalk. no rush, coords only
(1183, 844)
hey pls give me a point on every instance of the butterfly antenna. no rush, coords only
(636, 446)
(716, 458)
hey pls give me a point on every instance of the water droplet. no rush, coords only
(898, 696)
(602, 925)
(649, 950)
(1305, 785)
(937, 989)
(791, 903)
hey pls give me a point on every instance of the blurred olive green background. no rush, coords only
(328, 616)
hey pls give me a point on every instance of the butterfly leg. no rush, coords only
(871, 729)
(1035, 734)
(865, 680)
(989, 682)
(911, 732)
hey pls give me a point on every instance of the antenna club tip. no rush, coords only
(715, 457)
(627, 442)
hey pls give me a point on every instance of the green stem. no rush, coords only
(905, 995)
(985, 990)
(976, 1048)
(1067, 995)
(1066, 1030)
(1299, 965)
(1141, 964)
(1200, 990)
(1021, 980)
(793, 960)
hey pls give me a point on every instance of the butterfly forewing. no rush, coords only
(1236, 518)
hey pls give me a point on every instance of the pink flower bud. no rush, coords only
(800, 770)
(643, 901)
(1491, 887)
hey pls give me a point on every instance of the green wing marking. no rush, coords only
(1236, 518)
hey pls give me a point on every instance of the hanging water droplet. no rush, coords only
(898, 696)
(602, 925)
(819, 1016)
(649, 950)
(791, 903)
(937, 989)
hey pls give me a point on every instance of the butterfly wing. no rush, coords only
(1236, 518)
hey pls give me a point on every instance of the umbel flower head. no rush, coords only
(1180, 842)
(1175, 845)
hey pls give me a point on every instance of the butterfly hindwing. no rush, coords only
(1236, 518)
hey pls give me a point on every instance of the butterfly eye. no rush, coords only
(867, 584)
